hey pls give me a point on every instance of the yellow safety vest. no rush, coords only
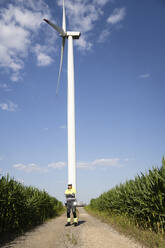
(70, 191)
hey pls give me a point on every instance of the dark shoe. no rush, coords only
(68, 224)
(75, 224)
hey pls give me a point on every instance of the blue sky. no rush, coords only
(120, 85)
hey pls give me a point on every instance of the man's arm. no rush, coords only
(73, 193)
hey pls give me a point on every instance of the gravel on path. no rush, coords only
(90, 233)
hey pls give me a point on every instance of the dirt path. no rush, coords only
(91, 233)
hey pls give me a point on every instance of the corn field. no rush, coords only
(141, 199)
(23, 207)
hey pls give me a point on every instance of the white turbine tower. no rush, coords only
(70, 36)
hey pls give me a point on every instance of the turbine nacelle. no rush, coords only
(75, 35)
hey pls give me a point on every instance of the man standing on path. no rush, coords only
(71, 204)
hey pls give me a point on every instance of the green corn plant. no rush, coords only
(141, 199)
(23, 207)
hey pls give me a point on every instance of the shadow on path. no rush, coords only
(7, 238)
(81, 222)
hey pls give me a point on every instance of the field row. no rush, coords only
(23, 207)
(141, 199)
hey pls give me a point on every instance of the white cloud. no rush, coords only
(1, 158)
(13, 41)
(3, 86)
(15, 76)
(147, 75)
(57, 165)
(19, 24)
(9, 106)
(106, 162)
(110, 162)
(29, 168)
(41, 53)
(38, 5)
(102, 163)
(104, 35)
(117, 15)
(84, 165)
(127, 159)
(26, 18)
(63, 127)
(83, 44)
(102, 2)
(44, 59)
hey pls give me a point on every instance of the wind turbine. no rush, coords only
(70, 36)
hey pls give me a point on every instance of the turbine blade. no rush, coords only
(64, 18)
(61, 62)
(57, 28)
